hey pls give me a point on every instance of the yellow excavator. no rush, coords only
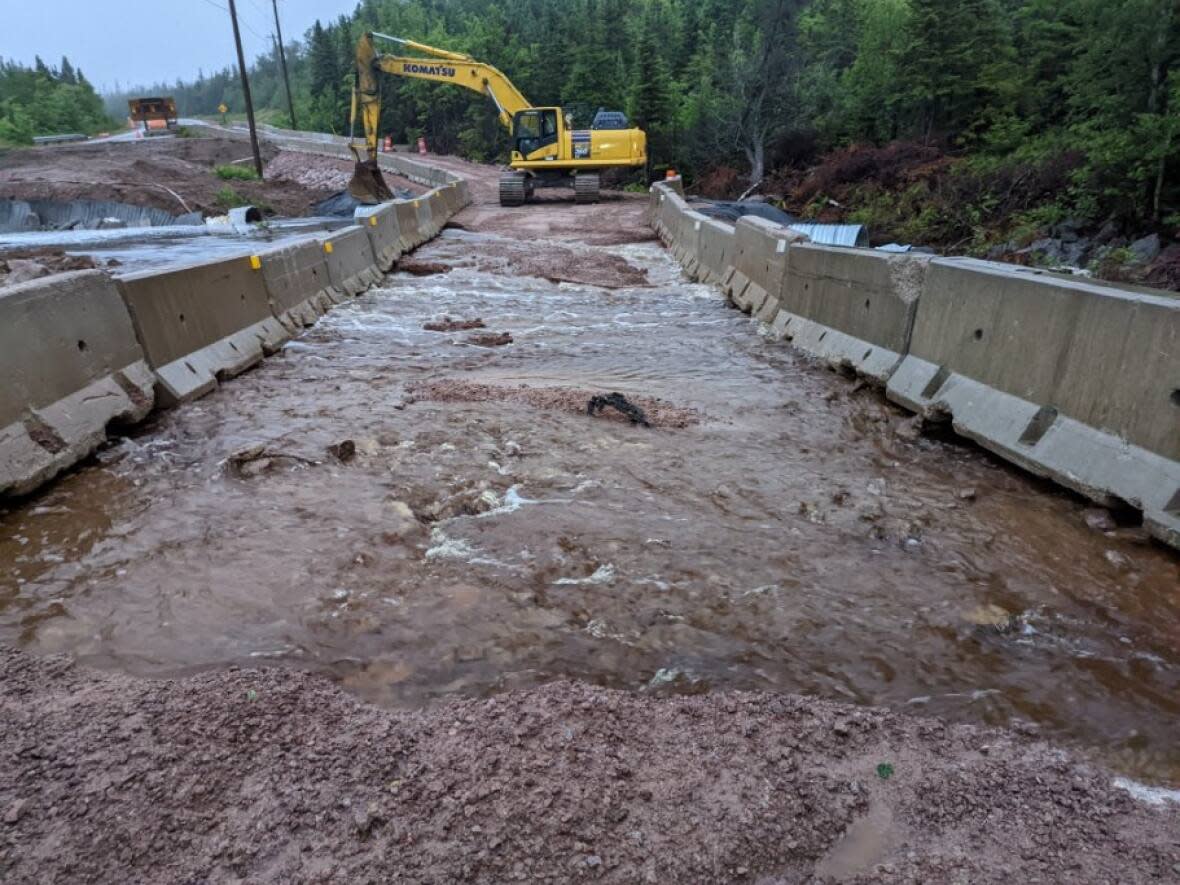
(546, 150)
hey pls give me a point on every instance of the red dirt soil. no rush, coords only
(279, 777)
(173, 174)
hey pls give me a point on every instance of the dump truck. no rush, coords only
(157, 115)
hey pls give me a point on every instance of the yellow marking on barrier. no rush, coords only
(328, 248)
(255, 262)
(372, 221)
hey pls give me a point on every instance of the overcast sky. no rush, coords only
(140, 42)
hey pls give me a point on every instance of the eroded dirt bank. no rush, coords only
(392, 511)
(173, 174)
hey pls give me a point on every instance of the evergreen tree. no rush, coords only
(592, 80)
(325, 70)
(650, 100)
(949, 46)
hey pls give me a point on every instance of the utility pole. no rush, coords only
(283, 62)
(233, 14)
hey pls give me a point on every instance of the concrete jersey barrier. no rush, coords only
(715, 248)
(412, 235)
(439, 212)
(453, 196)
(425, 218)
(464, 189)
(297, 283)
(201, 322)
(755, 280)
(351, 265)
(671, 207)
(385, 239)
(686, 237)
(1072, 380)
(853, 308)
(71, 366)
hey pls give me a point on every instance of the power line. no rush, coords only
(265, 15)
(241, 21)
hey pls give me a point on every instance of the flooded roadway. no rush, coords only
(142, 248)
(798, 537)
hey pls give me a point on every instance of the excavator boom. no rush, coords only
(472, 75)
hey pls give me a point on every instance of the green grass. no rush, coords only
(227, 198)
(235, 173)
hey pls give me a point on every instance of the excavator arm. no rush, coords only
(440, 66)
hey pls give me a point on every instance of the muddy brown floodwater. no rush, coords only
(421, 517)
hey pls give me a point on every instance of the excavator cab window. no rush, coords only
(534, 130)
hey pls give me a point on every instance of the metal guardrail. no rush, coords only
(59, 139)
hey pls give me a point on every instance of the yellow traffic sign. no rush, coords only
(222, 108)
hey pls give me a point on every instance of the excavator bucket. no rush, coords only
(368, 184)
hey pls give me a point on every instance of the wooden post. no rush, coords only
(233, 14)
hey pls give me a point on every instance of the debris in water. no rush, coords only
(989, 616)
(343, 451)
(566, 399)
(447, 324)
(490, 339)
(258, 459)
(619, 402)
(422, 268)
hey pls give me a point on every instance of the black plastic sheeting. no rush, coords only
(732, 210)
(344, 204)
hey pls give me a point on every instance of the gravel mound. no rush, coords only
(279, 776)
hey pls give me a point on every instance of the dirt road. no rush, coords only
(506, 639)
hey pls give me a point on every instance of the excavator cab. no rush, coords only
(536, 129)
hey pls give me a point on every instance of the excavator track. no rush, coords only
(513, 189)
(586, 188)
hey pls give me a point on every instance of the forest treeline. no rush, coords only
(1050, 109)
(44, 100)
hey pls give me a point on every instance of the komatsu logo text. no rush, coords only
(432, 70)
